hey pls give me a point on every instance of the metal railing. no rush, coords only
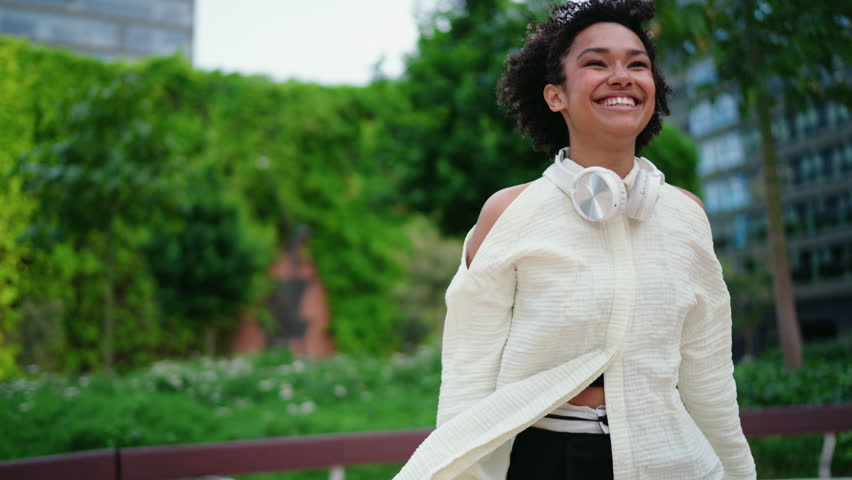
(337, 451)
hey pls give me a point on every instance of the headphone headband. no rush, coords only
(599, 194)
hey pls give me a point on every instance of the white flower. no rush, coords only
(71, 392)
(84, 381)
(266, 385)
(339, 390)
(223, 411)
(308, 407)
(298, 366)
(241, 402)
(26, 406)
(175, 381)
(286, 392)
(262, 162)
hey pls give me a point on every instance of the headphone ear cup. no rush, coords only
(598, 194)
(643, 195)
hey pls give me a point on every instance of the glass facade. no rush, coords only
(108, 29)
(727, 193)
(814, 152)
(709, 115)
(156, 40)
(720, 153)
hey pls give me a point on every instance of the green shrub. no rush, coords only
(271, 395)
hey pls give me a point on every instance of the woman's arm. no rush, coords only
(479, 312)
(479, 309)
(706, 380)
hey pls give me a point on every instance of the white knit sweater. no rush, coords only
(550, 302)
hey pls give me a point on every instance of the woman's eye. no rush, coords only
(596, 63)
(638, 65)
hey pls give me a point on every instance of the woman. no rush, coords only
(598, 267)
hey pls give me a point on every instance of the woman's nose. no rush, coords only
(620, 76)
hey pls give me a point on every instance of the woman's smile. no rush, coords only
(619, 103)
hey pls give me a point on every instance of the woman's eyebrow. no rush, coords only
(602, 50)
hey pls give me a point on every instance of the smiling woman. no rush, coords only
(588, 328)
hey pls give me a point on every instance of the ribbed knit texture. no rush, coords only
(550, 302)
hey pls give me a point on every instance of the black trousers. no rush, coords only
(539, 454)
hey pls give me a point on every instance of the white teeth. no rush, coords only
(618, 101)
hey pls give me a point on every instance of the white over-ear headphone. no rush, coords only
(599, 194)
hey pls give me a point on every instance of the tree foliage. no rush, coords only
(751, 299)
(206, 265)
(108, 169)
(675, 155)
(289, 153)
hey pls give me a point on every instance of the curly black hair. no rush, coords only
(539, 63)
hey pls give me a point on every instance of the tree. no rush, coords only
(775, 55)
(751, 299)
(206, 265)
(675, 155)
(449, 145)
(107, 172)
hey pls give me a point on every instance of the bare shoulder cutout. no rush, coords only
(491, 211)
(692, 196)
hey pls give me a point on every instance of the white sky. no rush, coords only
(325, 41)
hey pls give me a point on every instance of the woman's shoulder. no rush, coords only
(687, 214)
(491, 211)
(506, 210)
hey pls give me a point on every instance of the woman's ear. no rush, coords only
(555, 97)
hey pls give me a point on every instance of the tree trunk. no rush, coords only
(749, 344)
(109, 301)
(209, 341)
(785, 309)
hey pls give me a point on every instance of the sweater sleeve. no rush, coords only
(706, 381)
(479, 311)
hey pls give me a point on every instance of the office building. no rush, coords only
(815, 159)
(106, 29)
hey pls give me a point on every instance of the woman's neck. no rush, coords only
(618, 158)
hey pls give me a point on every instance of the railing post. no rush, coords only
(336, 473)
(828, 442)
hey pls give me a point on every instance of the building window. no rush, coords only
(120, 8)
(17, 23)
(178, 12)
(700, 73)
(836, 114)
(707, 116)
(781, 129)
(169, 42)
(59, 29)
(139, 39)
(725, 194)
(157, 41)
(721, 153)
(807, 121)
(50, 3)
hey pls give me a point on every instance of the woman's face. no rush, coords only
(609, 88)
